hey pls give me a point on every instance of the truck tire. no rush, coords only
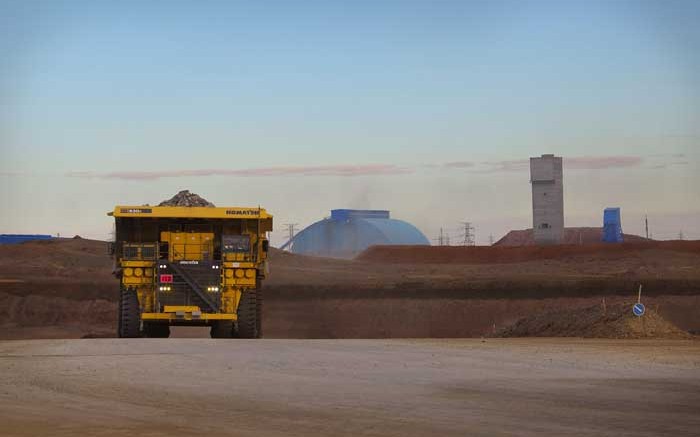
(129, 314)
(247, 326)
(259, 311)
(156, 330)
(221, 329)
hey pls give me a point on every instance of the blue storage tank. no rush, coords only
(612, 225)
(350, 231)
(21, 238)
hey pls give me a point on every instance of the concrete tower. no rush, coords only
(546, 177)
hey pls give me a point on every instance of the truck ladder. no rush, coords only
(195, 287)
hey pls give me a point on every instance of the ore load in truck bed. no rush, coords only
(185, 198)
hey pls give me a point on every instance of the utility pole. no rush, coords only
(468, 234)
(646, 225)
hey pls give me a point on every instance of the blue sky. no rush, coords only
(424, 108)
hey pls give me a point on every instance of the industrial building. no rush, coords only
(546, 178)
(350, 231)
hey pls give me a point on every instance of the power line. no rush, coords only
(443, 238)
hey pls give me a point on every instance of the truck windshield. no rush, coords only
(236, 243)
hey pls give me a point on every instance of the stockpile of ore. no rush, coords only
(185, 198)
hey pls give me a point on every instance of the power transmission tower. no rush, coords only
(291, 230)
(680, 235)
(491, 240)
(468, 234)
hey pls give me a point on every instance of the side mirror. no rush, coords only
(110, 248)
(266, 245)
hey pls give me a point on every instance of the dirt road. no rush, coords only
(190, 387)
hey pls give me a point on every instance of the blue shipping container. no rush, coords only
(21, 238)
(612, 225)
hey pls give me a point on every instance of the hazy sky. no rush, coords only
(426, 108)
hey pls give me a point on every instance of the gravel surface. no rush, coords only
(159, 387)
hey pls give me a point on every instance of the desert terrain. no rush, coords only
(64, 289)
(338, 357)
(448, 387)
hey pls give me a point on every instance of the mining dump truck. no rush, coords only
(193, 266)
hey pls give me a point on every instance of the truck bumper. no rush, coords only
(186, 313)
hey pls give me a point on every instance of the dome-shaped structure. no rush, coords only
(349, 231)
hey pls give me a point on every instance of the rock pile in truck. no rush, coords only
(185, 198)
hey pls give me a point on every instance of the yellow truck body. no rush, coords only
(190, 266)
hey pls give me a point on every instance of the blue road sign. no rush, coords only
(638, 309)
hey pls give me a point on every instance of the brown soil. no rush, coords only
(65, 287)
(399, 317)
(599, 252)
(525, 387)
(600, 321)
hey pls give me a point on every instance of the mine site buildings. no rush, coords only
(546, 178)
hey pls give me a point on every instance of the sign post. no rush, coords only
(638, 308)
(639, 295)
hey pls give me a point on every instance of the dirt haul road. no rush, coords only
(191, 387)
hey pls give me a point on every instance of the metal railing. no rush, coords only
(181, 252)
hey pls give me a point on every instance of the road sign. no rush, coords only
(638, 309)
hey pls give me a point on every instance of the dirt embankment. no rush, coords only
(334, 317)
(65, 288)
(597, 321)
(599, 252)
(582, 235)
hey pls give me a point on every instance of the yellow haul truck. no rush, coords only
(199, 266)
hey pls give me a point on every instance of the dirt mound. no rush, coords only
(77, 259)
(525, 237)
(498, 255)
(185, 198)
(598, 321)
